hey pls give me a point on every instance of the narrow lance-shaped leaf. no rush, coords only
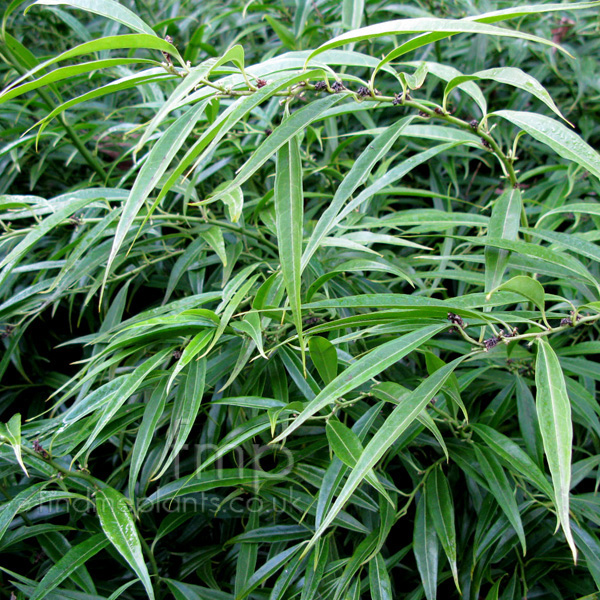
(112, 42)
(504, 224)
(524, 286)
(501, 490)
(352, 13)
(185, 411)
(119, 527)
(71, 71)
(156, 164)
(515, 458)
(43, 228)
(12, 432)
(324, 356)
(105, 8)
(362, 370)
(70, 562)
(561, 139)
(289, 212)
(554, 414)
(511, 76)
(125, 390)
(379, 579)
(440, 508)
(347, 446)
(357, 175)
(491, 17)
(152, 413)
(191, 80)
(425, 548)
(290, 127)
(447, 27)
(314, 571)
(402, 416)
(237, 111)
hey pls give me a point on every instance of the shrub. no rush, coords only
(299, 301)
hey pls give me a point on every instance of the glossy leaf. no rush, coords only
(440, 509)
(324, 356)
(425, 548)
(119, 528)
(557, 136)
(72, 560)
(554, 414)
(289, 210)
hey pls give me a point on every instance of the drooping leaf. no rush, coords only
(555, 135)
(425, 548)
(440, 509)
(120, 530)
(289, 211)
(554, 414)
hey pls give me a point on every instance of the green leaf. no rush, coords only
(289, 211)
(352, 13)
(399, 420)
(56, 546)
(511, 76)
(555, 135)
(417, 79)
(362, 370)
(247, 555)
(39, 231)
(514, 457)
(446, 27)
(425, 548)
(193, 78)
(438, 499)
(589, 545)
(524, 286)
(152, 170)
(324, 357)
(317, 561)
(209, 139)
(267, 570)
(347, 447)
(283, 33)
(68, 564)
(152, 413)
(504, 224)
(434, 35)
(19, 502)
(289, 128)
(185, 410)
(12, 432)
(554, 414)
(494, 474)
(380, 585)
(213, 236)
(361, 168)
(121, 395)
(119, 527)
(528, 422)
(105, 8)
(71, 71)
(114, 42)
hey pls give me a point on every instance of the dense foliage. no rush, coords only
(299, 300)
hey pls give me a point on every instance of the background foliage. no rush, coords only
(215, 235)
